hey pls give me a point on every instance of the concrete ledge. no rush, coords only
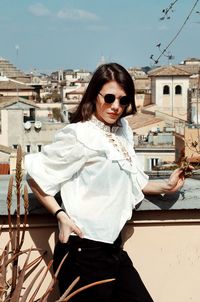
(187, 198)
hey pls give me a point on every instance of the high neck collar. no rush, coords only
(104, 127)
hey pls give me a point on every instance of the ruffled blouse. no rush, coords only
(95, 168)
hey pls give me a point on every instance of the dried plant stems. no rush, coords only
(25, 215)
(18, 179)
(9, 204)
(16, 233)
(84, 288)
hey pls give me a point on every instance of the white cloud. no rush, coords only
(76, 14)
(39, 10)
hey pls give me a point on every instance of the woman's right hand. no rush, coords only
(66, 227)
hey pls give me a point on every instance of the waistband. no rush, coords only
(76, 241)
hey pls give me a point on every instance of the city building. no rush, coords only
(19, 125)
(164, 228)
(169, 90)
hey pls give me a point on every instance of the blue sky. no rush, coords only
(58, 34)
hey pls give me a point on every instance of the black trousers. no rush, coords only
(95, 261)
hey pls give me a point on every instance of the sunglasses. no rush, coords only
(109, 98)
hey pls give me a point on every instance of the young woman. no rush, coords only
(93, 164)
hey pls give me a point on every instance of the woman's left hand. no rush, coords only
(175, 181)
(173, 184)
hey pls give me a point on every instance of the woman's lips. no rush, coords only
(113, 114)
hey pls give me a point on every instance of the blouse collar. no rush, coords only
(104, 127)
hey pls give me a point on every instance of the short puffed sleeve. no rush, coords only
(57, 162)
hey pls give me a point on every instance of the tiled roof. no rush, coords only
(140, 120)
(6, 101)
(190, 68)
(168, 71)
(10, 85)
(137, 73)
(6, 149)
(9, 70)
(79, 90)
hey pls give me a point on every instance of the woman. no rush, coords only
(93, 164)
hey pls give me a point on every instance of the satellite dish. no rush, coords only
(153, 129)
(27, 125)
(38, 125)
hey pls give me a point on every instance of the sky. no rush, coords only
(49, 35)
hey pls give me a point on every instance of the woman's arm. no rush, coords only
(66, 225)
(173, 184)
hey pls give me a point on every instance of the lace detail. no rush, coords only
(104, 127)
(116, 142)
(110, 133)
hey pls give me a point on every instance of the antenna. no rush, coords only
(17, 49)
(17, 54)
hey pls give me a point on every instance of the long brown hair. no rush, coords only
(104, 74)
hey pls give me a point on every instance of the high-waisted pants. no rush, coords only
(94, 261)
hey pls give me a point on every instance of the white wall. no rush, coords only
(172, 104)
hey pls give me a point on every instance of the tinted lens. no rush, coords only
(109, 98)
(124, 100)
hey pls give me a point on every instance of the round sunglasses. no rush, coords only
(109, 98)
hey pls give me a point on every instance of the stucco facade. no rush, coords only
(14, 132)
(175, 105)
(169, 87)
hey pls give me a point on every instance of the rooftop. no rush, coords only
(141, 120)
(11, 85)
(168, 71)
(6, 101)
(9, 70)
(6, 149)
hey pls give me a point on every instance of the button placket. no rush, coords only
(110, 133)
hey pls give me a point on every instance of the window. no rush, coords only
(166, 89)
(153, 162)
(15, 146)
(39, 148)
(28, 148)
(178, 89)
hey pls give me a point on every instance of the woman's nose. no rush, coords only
(115, 105)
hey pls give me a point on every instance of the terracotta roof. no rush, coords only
(190, 68)
(6, 101)
(137, 73)
(6, 149)
(168, 71)
(10, 85)
(9, 70)
(140, 120)
(79, 90)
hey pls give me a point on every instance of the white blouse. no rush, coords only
(96, 169)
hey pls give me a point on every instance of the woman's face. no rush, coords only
(110, 113)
